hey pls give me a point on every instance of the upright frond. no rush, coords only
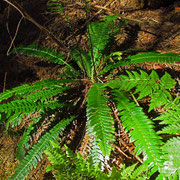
(101, 35)
(142, 132)
(35, 154)
(98, 115)
(82, 59)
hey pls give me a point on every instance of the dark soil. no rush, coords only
(150, 28)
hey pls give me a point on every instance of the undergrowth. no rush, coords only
(104, 100)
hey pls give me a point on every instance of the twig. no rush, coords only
(135, 100)
(13, 39)
(14, 7)
(4, 85)
(120, 151)
(132, 153)
(29, 18)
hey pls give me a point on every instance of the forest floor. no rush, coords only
(148, 29)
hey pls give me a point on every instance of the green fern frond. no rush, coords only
(146, 85)
(35, 154)
(142, 81)
(45, 94)
(175, 104)
(43, 52)
(19, 108)
(100, 35)
(83, 60)
(172, 113)
(171, 157)
(98, 115)
(96, 154)
(24, 143)
(140, 171)
(37, 97)
(171, 117)
(146, 139)
(68, 165)
(26, 137)
(55, 6)
(27, 89)
(131, 172)
(171, 129)
(152, 57)
(159, 98)
(25, 106)
(126, 172)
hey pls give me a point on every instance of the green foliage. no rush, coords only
(152, 57)
(67, 165)
(171, 156)
(146, 139)
(55, 6)
(98, 115)
(35, 154)
(170, 118)
(146, 85)
(86, 70)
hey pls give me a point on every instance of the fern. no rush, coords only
(24, 143)
(96, 153)
(26, 89)
(146, 85)
(99, 117)
(43, 52)
(35, 154)
(83, 60)
(152, 57)
(85, 74)
(171, 156)
(170, 118)
(146, 139)
(67, 165)
(101, 35)
(55, 6)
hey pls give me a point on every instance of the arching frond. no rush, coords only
(146, 85)
(98, 115)
(172, 114)
(46, 53)
(35, 154)
(152, 57)
(55, 6)
(171, 156)
(146, 139)
(27, 89)
(170, 117)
